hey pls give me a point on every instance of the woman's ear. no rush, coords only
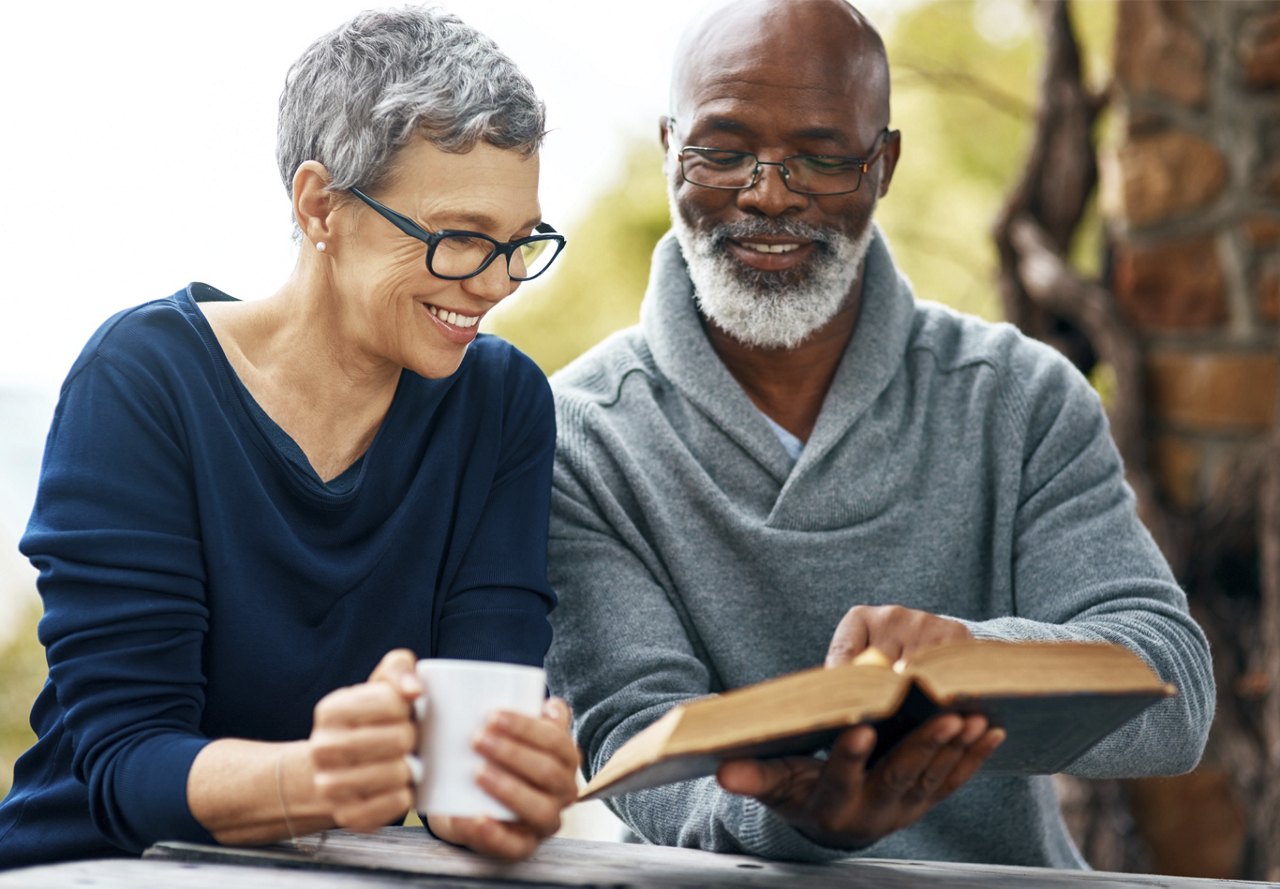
(313, 203)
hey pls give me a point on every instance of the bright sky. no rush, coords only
(139, 146)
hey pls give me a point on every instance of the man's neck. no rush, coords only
(790, 385)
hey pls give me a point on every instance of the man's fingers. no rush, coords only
(898, 775)
(937, 773)
(849, 639)
(838, 795)
(778, 783)
(973, 759)
(743, 776)
(895, 630)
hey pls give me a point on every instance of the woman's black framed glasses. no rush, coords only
(454, 254)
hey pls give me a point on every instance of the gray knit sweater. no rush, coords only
(956, 467)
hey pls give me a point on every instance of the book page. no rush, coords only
(986, 667)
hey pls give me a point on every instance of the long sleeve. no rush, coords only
(1085, 569)
(115, 538)
(497, 605)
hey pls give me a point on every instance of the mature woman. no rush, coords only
(247, 508)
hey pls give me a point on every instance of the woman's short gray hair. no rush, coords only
(361, 92)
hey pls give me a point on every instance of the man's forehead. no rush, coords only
(812, 47)
(727, 89)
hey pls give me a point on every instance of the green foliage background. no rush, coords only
(22, 672)
(964, 84)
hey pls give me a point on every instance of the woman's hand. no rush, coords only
(531, 767)
(359, 739)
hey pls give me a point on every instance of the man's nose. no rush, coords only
(770, 195)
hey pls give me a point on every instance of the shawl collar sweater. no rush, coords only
(956, 467)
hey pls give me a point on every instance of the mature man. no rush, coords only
(790, 459)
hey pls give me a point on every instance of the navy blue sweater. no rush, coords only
(200, 581)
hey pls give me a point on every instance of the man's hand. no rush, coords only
(894, 630)
(841, 804)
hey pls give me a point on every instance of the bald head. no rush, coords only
(815, 41)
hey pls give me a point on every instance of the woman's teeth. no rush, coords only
(454, 318)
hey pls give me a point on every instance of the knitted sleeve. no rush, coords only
(1085, 568)
(115, 538)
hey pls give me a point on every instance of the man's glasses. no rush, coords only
(454, 254)
(801, 173)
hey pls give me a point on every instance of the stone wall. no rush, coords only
(1193, 193)
(1192, 198)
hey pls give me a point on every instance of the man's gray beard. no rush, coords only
(770, 310)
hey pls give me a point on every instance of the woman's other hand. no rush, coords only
(359, 739)
(531, 767)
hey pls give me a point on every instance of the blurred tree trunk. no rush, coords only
(1185, 322)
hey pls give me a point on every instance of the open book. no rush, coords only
(1055, 700)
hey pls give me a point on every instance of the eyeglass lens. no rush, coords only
(816, 174)
(457, 256)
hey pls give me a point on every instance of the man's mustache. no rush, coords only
(777, 228)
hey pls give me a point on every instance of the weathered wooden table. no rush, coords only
(408, 858)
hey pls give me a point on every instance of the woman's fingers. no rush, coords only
(537, 810)
(369, 703)
(536, 748)
(530, 766)
(359, 739)
(343, 748)
(499, 839)
(399, 670)
(368, 814)
(364, 781)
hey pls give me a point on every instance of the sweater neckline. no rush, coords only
(682, 351)
(263, 431)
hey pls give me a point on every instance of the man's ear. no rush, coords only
(892, 149)
(664, 128)
(313, 203)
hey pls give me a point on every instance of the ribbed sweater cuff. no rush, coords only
(151, 792)
(768, 835)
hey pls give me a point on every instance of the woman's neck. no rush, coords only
(294, 355)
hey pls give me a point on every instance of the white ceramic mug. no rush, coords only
(460, 697)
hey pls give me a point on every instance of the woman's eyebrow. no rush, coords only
(481, 222)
